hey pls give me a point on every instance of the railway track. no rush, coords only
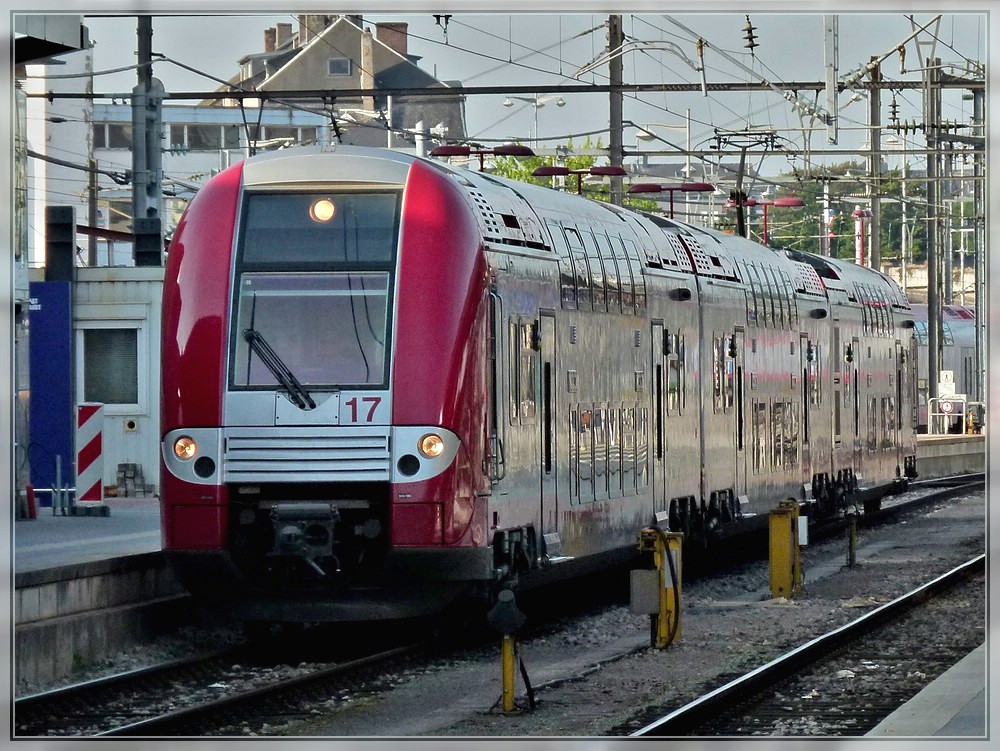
(772, 698)
(201, 695)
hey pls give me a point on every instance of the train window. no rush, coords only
(523, 385)
(287, 230)
(759, 432)
(872, 423)
(946, 335)
(586, 456)
(730, 361)
(597, 290)
(836, 421)
(751, 293)
(582, 267)
(612, 274)
(615, 453)
(717, 364)
(777, 426)
(567, 270)
(625, 275)
(638, 279)
(292, 313)
(682, 363)
(815, 371)
(791, 435)
(600, 438)
(889, 421)
(574, 455)
(759, 302)
(673, 382)
(641, 449)
(793, 310)
(628, 451)
(776, 317)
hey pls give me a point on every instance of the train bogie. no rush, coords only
(388, 382)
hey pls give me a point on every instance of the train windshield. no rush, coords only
(314, 278)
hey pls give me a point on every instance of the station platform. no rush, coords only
(953, 705)
(131, 527)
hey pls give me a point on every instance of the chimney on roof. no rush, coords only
(284, 31)
(393, 36)
(269, 37)
(303, 30)
(367, 69)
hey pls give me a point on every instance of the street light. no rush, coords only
(556, 170)
(685, 187)
(536, 102)
(505, 149)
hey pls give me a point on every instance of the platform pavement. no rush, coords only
(132, 526)
(953, 705)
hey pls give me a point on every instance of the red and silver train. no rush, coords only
(388, 382)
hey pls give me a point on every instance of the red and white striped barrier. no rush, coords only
(89, 453)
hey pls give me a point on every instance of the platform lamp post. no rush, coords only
(645, 188)
(505, 149)
(778, 202)
(559, 171)
(860, 215)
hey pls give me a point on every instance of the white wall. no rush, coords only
(125, 298)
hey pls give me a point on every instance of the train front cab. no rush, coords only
(334, 446)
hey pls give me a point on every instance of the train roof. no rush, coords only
(512, 213)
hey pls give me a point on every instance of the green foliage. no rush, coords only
(802, 228)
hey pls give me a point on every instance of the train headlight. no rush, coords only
(431, 445)
(322, 210)
(185, 447)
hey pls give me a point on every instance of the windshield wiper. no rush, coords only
(296, 392)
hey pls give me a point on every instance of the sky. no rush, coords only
(494, 48)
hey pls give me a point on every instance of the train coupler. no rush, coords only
(657, 591)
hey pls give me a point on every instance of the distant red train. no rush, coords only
(388, 382)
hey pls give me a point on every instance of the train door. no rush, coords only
(547, 443)
(899, 400)
(659, 414)
(740, 486)
(807, 370)
(855, 368)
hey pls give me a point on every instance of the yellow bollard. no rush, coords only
(666, 628)
(507, 649)
(785, 560)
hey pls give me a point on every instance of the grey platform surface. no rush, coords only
(131, 527)
(954, 705)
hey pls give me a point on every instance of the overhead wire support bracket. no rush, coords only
(825, 117)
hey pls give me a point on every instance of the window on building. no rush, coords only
(177, 136)
(338, 66)
(110, 366)
(100, 136)
(231, 136)
(119, 135)
(204, 137)
(274, 131)
(120, 215)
